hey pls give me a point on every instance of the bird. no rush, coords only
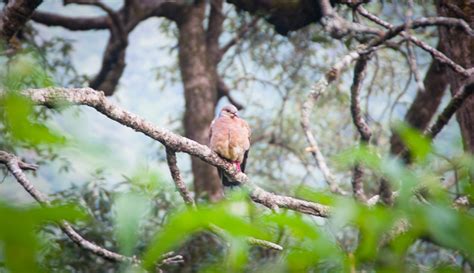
(229, 137)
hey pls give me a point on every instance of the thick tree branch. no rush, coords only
(117, 25)
(224, 91)
(454, 104)
(15, 167)
(113, 62)
(97, 100)
(214, 30)
(337, 26)
(359, 121)
(71, 23)
(120, 23)
(4, 157)
(14, 16)
(360, 124)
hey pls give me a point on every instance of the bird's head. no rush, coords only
(229, 111)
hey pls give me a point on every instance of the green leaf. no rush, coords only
(130, 210)
(227, 216)
(418, 145)
(17, 114)
(18, 232)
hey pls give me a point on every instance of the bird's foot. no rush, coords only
(237, 165)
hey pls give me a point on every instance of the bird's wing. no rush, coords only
(244, 162)
(210, 131)
(246, 127)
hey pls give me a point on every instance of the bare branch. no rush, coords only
(117, 24)
(307, 107)
(214, 30)
(360, 123)
(4, 157)
(414, 67)
(15, 14)
(113, 62)
(224, 91)
(97, 100)
(178, 180)
(438, 55)
(314, 147)
(339, 27)
(454, 104)
(71, 23)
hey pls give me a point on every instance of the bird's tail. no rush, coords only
(225, 180)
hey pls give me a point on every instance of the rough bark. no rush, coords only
(15, 14)
(113, 65)
(460, 48)
(426, 102)
(200, 94)
(361, 125)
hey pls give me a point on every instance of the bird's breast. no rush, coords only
(229, 141)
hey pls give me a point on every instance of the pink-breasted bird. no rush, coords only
(229, 137)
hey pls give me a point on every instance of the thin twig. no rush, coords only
(314, 147)
(240, 34)
(436, 54)
(178, 180)
(414, 67)
(307, 107)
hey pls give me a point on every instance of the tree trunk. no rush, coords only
(459, 46)
(426, 102)
(200, 94)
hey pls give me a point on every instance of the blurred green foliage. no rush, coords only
(19, 240)
(20, 123)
